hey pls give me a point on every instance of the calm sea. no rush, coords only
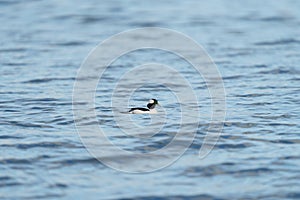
(256, 46)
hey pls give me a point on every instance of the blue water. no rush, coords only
(256, 46)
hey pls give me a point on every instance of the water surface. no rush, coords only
(256, 47)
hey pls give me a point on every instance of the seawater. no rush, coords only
(256, 47)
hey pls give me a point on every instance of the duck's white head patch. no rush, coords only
(151, 101)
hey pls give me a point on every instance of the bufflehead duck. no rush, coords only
(150, 110)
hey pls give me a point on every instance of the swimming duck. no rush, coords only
(149, 110)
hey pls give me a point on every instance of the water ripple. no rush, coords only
(279, 42)
(46, 80)
(46, 145)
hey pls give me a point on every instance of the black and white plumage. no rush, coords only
(149, 110)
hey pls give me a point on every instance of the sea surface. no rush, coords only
(254, 44)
